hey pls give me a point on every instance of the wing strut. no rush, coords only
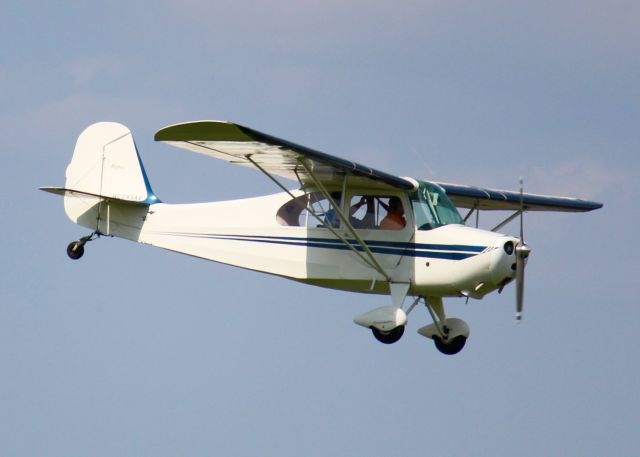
(345, 220)
(371, 261)
(474, 209)
(507, 220)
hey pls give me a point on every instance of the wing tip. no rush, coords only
(202, 130)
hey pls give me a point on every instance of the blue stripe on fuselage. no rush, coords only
(460, 252)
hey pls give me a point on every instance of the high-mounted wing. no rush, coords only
(244, 146)
(491, 199)
(247, 147)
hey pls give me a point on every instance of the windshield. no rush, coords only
(432, 208)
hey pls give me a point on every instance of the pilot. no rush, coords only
(394, 219)
(368, 221)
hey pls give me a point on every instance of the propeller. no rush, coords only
(522, 252)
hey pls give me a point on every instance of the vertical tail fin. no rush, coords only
(106, 187)
(106, 163)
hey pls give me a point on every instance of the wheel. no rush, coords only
(450, 347)
(75, 250)
(389, 337)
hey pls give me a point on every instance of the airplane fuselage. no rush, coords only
(450, 260)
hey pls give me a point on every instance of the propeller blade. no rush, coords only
(519, 286)
(522, 252)
(521, 209)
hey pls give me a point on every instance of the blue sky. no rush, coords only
(134, 351)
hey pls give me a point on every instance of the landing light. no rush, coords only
(508, 247)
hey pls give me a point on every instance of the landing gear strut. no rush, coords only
(75, 250)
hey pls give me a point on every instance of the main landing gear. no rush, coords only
(75, 250)
(448, 334)
(388, 337)
(388, 323)
(450, 346)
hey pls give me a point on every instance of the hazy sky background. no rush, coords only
(134, 351)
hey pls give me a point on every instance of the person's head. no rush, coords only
(395, 205)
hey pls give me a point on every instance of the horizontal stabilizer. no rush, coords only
(77, 193)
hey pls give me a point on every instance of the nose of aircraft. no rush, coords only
(503, 259)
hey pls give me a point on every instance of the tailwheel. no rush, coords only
(388, 337)
(75, 250)
(450, 346)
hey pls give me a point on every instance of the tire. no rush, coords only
(450, 347)
(75, 250)
(389, 337)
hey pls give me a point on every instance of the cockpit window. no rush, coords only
(432, 208)
(365, 211)
(295, 214)
(377, 212)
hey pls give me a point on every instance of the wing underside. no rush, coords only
(247, 147)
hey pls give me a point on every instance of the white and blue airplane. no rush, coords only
(347, 226)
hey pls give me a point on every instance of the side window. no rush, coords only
(289, 213)
(363, 211)
(367, 212)
(323, 209)
(382, 212)
(395, 218)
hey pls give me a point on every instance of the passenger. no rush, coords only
(394, 219)
(368, 220)
(331, 218)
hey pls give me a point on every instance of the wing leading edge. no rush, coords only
(247, 147)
